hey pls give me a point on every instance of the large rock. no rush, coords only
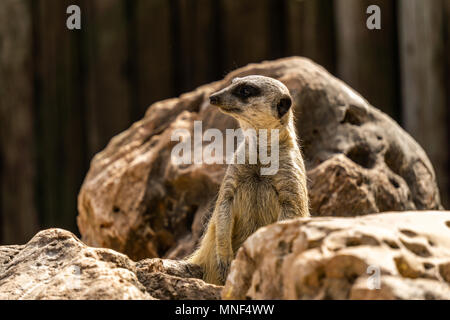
(359, 161)
(56, 265)
(341, 258)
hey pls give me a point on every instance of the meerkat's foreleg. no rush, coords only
(224, 226)
(291, 193)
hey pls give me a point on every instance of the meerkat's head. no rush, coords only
(255, 101)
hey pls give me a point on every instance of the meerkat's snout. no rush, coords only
(224, 101)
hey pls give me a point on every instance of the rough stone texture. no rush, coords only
(340, 187)
(359, 161)
(332, 258)
(56, 265)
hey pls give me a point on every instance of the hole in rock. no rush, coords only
(417, 248)
(351, 118)
(361, 155)
(428, 265)
(391, 243)
(408, 233)
(394, 183)
(394, 159)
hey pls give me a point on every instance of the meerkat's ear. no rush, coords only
(283, 106)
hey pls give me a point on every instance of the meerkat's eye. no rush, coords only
(246, 91)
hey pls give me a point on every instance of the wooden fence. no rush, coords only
(64, 94)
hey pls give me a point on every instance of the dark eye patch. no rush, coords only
(245, 91)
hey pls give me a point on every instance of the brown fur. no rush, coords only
(248, 200)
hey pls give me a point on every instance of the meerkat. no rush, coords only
(248, 200)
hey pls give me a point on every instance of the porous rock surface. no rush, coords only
(359, 161)
(57, 265)
(401, 255)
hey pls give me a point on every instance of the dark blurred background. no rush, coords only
(64, 94)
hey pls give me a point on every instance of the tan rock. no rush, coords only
(56, 265)
(175, 280)
(359, 161)
(401, 255)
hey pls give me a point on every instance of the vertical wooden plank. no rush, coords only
(197, 37)
(153, 52)
(310, 31)
(59, 125)
(277, 29)
(18, 217)
(367, 59)
(108, 83)
(423, 81)
(446, 193)
(246, 32)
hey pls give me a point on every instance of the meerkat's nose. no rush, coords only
(214, 99)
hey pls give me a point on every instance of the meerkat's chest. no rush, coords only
(255, 202)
